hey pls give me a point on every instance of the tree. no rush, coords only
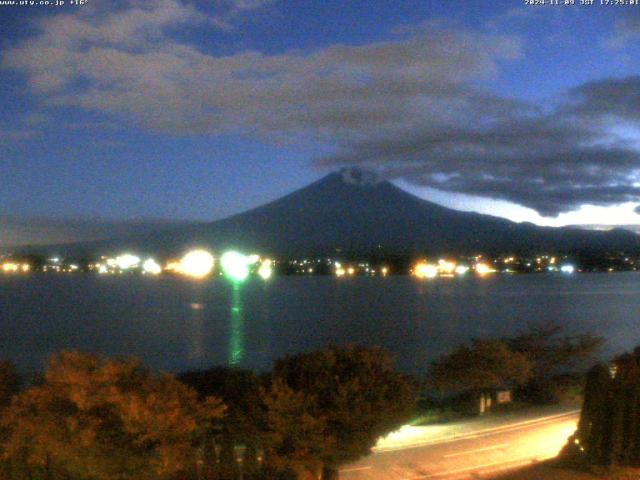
(609, 427)
(592, 425)
(328, 407)
(551, 353)
(238, 389)
(243, 422)
(10, 382)
(482, 366)
(93, 418)
(295, 431)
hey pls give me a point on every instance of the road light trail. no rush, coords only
(476, 450)
(470, 453)
(401, 440)
(355, 469)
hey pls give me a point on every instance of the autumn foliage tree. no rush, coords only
(10, 382)
(295, 433)
(328, 407)
(93, 418)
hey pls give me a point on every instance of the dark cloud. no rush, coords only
(585, 151)
(618, 97)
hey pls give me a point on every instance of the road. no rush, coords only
(466, 450)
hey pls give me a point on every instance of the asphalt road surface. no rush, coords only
(466, 450)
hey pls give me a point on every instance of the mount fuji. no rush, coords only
(353, 212)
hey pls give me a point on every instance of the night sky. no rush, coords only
(187, 110)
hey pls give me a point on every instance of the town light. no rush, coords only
(10, 267)
(127, 261)
(152, 267)
(483, 269)
(446, 267)
(462, 269)
(425, 270)
(567, 269)
(196, 264)
(265, 270)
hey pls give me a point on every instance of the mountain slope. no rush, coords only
(355, 214)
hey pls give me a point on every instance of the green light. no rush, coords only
(235, 265)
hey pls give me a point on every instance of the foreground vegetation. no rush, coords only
(609, 429)
(89, 417)
(539, 366)
(93, 418)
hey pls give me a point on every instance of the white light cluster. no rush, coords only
(197, 264)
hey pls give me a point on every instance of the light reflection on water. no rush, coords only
(196, 331)
(174, 324)
(236, 321)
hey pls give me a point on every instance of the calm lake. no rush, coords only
(173, 324)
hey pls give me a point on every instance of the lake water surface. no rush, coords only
(174, 324)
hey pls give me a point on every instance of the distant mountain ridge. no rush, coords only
(16, 232)
(353, 212)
